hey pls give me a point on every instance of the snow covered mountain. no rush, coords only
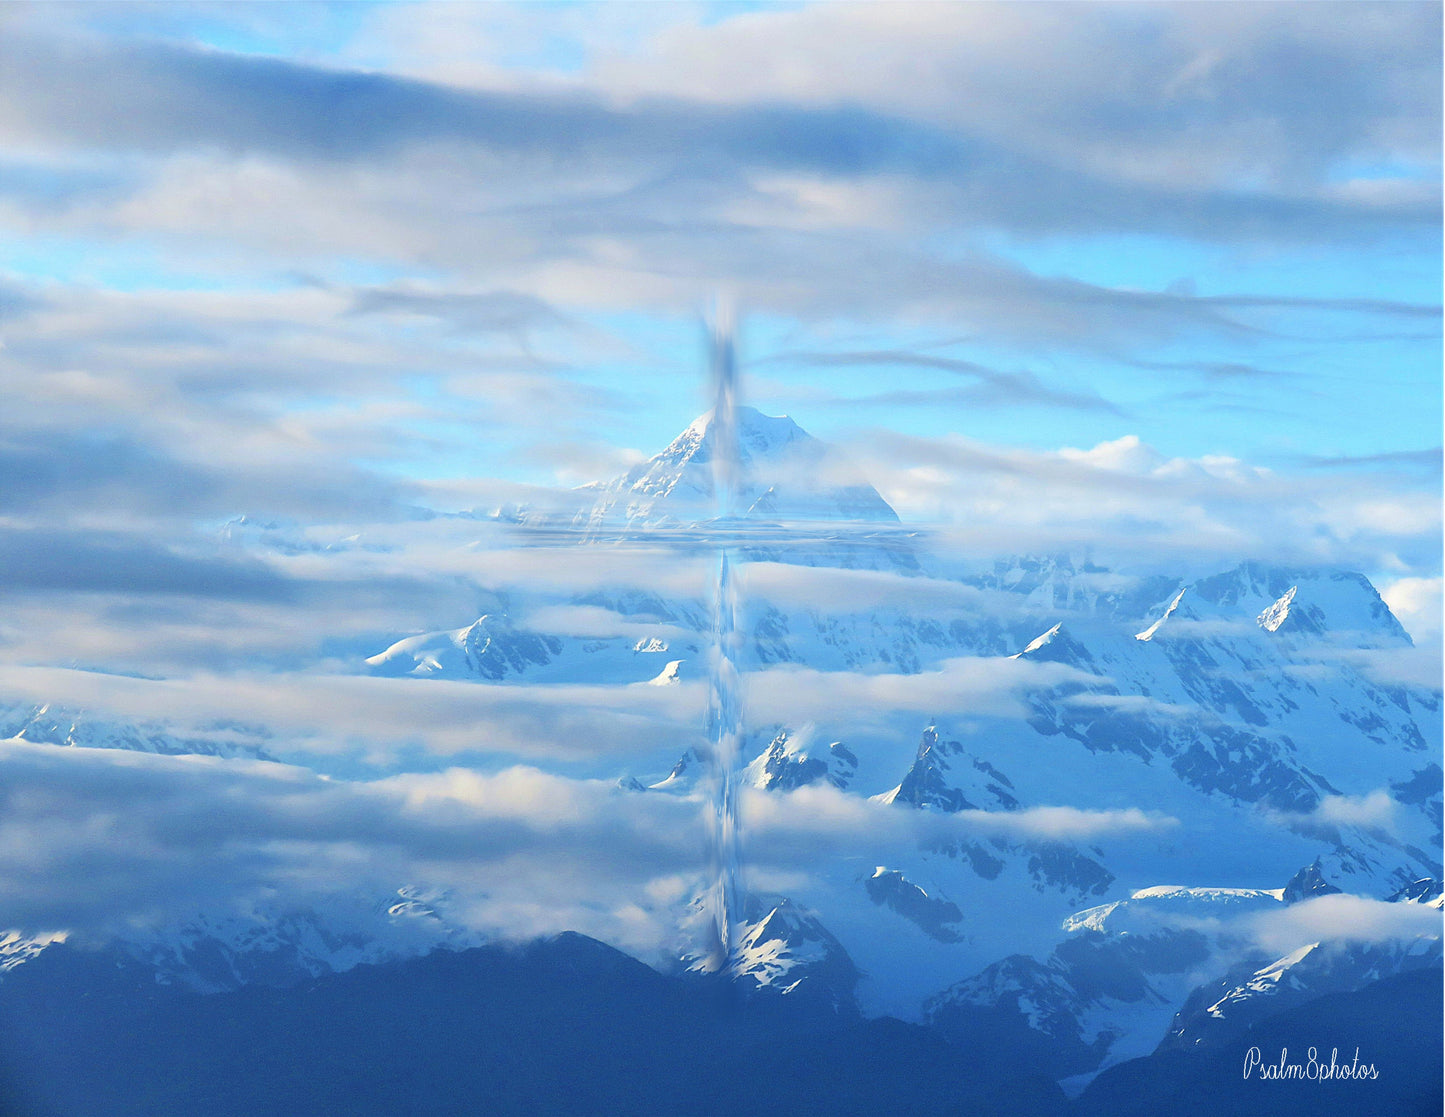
(785, 474)
(1241, 703)
(269, 945)
(44, 723)
(1112, 774)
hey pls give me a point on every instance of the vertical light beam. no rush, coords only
(724, 699)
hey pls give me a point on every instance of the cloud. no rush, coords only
(984, 686)
(1124, 497)
(1420, 666)
(97, 562)
(252, 594)
(673, 190)
(478, 312)
(1375, 811)
(836, 590)
(1341, 917)
(252, 104)
(338, 277)
(794, 828)
(1066, 823)
(1420, 459)
(596, 622)
(1140, 705)
(100, 840)
(1419, 605)
(385, 719)
(993, 387)
(1219, 371)
(1161, 95)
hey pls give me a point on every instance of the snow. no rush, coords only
(667, 676)
(1040, 641)
(1149, 908)
(1148, 633)
(785, 475)
(1277, 613)
(18, 947)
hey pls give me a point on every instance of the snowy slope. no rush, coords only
(48, 724)
(786, 474)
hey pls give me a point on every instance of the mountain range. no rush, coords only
(1129, 790)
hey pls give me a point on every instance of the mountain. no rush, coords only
(48, 724)
(782, 952)
(1074, 793)
(784, 474)
(1231, 1006)
(1388, 1031)
(1109, 989)
(279, 946)
(1240, 704)
(564, 1025)
(792, 760)
(494, 649)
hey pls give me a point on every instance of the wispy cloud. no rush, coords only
(795, 828)
(94, 840)
(983, 686)
(384, 718)
(1124, 494)
(1342, 918)
(993, 387)
(1375, 811)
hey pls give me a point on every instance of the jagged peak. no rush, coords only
(784, 474)
(1055, 645)
(1040, 641)
(1308, 883)
(1426, 890)
(1278, 613)
(1149, 633)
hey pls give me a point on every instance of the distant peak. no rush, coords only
(755, 430)
(1041, 641)
(1148, 633)
(783, 474)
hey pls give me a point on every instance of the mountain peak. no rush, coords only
(756, 431)
(1338, 606)
(785, 474)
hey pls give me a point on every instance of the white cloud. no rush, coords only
(383, 717)
(1342, 917)
(1373, 811)
(1138, 704)
(599, 623)
(1051, 82)
(1124, 498)
(853, 591)
(1420, 666)
(1419, 605)
(983, 686)
(791, 828)
(96, 840)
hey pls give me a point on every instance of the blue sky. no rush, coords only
(1158, 285)
(325, 261)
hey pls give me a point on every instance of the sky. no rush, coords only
(1156, 282)
(335, 262)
